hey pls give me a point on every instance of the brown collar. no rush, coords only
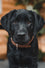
(22, 46)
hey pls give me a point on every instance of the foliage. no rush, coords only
(40, 55)
(41, 32)
(24, 2)
(38, 4)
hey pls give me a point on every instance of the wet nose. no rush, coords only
(22, 34)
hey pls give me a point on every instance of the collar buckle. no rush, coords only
(16, 46)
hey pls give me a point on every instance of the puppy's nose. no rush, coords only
(22, 34)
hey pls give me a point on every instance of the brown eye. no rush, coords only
(28, 22)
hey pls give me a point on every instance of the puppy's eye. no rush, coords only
(28, 23)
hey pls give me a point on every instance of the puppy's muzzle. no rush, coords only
(21, 34)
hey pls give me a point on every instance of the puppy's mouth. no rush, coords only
(21, 41)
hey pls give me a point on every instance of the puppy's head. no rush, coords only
(22, 25)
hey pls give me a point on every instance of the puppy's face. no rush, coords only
(22, 25)
(22, 28)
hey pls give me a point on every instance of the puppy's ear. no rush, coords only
(39, 22)
(6, 20)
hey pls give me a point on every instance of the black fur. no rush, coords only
(21, 26)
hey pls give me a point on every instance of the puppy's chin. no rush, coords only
(21, 42)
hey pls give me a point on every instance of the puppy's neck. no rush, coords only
(22, 46)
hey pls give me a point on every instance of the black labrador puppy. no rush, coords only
(22, 26)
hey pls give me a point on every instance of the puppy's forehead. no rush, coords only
(23, 11)
(20, 11)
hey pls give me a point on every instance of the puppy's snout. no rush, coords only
(21, 33)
